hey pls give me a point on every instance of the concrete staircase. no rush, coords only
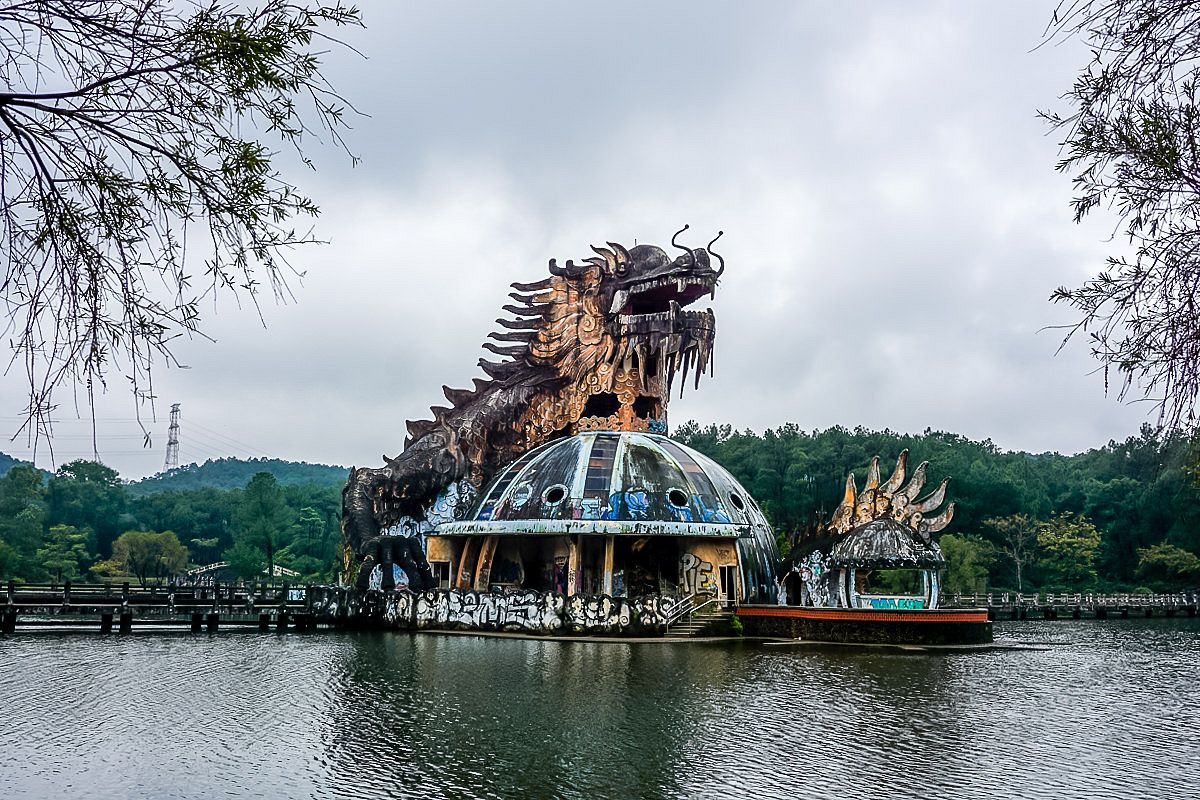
(700, 623)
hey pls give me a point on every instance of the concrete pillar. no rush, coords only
(573, 566)
(609, 547)
(483, 572)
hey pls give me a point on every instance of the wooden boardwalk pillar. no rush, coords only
(213, 621)
(197, 621)
(106, 622)
(126, 622)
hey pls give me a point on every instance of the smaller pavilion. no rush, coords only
(878, 551)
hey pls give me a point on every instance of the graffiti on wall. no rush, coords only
(696, 576)
(516, 611)
(527, 611)
(597, 613)
(815, 580)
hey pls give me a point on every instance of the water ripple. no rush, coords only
(1106, 710)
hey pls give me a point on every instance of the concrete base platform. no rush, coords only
(868, 626)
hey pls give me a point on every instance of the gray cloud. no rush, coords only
(893, 222)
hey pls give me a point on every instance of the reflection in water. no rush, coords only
(1105, 711)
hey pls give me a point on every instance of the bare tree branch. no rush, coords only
(122, 127)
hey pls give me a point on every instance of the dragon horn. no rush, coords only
(676, 236)
(717, 256)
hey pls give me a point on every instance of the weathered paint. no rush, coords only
(601, 527)
(483, 571)
(440, 549)
(573, 566)
(609, 542)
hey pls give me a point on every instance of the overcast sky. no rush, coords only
(893, 223)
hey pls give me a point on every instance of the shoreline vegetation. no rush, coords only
(1124, 517)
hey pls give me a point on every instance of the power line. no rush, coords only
(233, 442)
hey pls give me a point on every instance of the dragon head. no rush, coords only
(594, 345)
(613, 331)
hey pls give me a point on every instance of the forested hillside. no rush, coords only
(1134, 499)
(1122, 516)
(233, 473)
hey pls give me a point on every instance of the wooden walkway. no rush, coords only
(208, 608)
(1014, 605)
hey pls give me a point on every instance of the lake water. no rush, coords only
(1109, 709)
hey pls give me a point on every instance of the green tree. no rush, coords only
(150, 555)
(22, 521)
(9, 560)
(132, 128)
(65, 552)
(1069, 545)
(1167, 567)
(313, 550)
(968, 563)
(88, 494)
(262, 519)
(204, 551)
(1017, 538)
(245, 560)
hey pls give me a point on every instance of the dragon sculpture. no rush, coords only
(893, 500)
(885, 526)
(595, 345)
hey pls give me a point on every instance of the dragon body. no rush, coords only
(592, 346)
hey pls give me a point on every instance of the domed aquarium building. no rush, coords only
(602, 532)
(620, 514)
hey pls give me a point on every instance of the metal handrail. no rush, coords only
(687, 608)
(680, 610)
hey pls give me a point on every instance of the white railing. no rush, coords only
(687, 608)
(1082, 599)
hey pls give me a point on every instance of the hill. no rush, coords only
(7, 462)
(234, 473)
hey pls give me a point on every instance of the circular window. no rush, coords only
(737, 502)
(677, 498)
(555, 494)
(521, 494)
